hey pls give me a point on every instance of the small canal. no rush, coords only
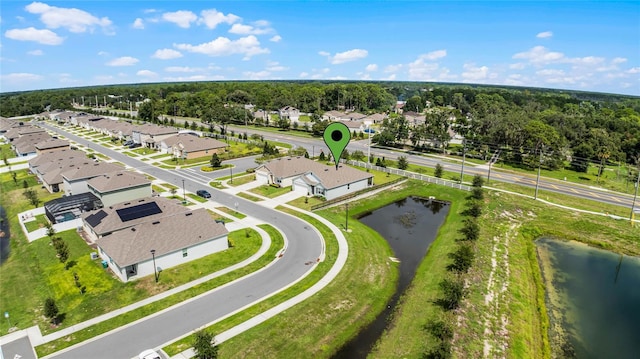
(409, 226)
(593, 300)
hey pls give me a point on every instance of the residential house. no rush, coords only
(68, 208)
(312, 178)
(357, 126)
(333, 115)
(74, 180)
(375, 118)
(50, 145)
(289, 112)
(121, 186)
(107, 220)
(48, 166)
(26, 144)
(20, 130)
(188, 146)
(151, 246)
(150, 135)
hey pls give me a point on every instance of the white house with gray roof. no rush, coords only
(74, 180)
(121, 186)
(126, 233)
(312, 178)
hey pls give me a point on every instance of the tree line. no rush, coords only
(529, 126)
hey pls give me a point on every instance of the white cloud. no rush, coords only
(634, 70)
(222, 46)
(544, 35)
(146, 73)
(182, 18)
(365, 76)
(149, 11)
(72, 19)
(102, 53)
(586, 61)
(434, 55)
(550, 72)
(421, 70)
(391, 77)
(517, 66)
(303, 74)
(241, 29)
(44, 36)
(19, 77)
(346, 56)
(166, 54)
(181, 69)
(540, 55)
(260, 75)
(123, 61)
(618, 60)
(212, 18)
(36, 53)
(276, 38)
(371, 68)
(195, 78)
(473, 73)
(138, 24)
(275, 67)
(392, 68)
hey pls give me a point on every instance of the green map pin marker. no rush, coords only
(336, 137)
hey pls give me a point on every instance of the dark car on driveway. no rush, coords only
(204, 194)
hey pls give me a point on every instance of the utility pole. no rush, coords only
(635, 196)
(538, 178)
(464, 153)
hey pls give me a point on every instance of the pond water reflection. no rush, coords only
(593, 300)
(409, 226)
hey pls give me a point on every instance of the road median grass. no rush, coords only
(171, 278)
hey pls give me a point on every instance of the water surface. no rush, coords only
(409, 226)
(594, 296)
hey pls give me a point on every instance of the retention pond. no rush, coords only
(409, 226)
(593, 300)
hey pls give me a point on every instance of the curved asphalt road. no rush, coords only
(304, 246)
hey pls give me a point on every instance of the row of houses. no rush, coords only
(122, 218)
(27, 140)
(165, 139)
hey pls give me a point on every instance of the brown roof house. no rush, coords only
(48, 166)
(74, 180)
(52, 144)
(25, 145)
(150, 135)
(117, 187)
(145, 236)
(188, 146)
(312, 178)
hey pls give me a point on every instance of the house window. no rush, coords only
(184, 253)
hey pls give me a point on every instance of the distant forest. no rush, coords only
(560, 125)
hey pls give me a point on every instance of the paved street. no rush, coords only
(305, 246)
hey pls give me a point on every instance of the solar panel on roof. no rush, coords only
(96, 218)
(139, 211)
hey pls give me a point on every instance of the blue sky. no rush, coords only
(592, 46)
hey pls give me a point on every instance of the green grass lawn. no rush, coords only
(270, 191)
(249, 197)
(40, 221)
(243, 247)
(306, 202)
(162, 155)
(6, 152)
(144, 151)
(196, 198)
(230, 211)
(239, 180)
(217, 216)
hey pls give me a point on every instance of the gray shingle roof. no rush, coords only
(112, 222)
(165, 235)
(91, 170)
(117, 180)
(51, 143)
(329, 177)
